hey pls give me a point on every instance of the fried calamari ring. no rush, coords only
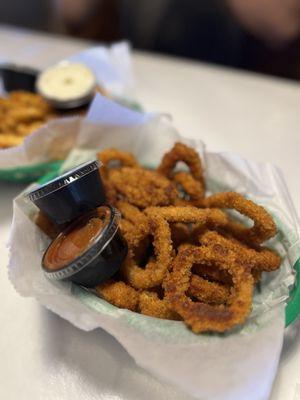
(190, 215)
(203, 317)
(150, 304)
(264, 226)
(134, 224)
(260, 258)
(208, 292)
(119, 294)
(107, 156)
(181, 152)
(143, 188)
(156, 268)
(191, 187)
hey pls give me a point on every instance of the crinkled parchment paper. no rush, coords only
(238, 365)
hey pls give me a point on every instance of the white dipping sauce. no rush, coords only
(66, 82)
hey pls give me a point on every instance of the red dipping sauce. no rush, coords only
(69, 246)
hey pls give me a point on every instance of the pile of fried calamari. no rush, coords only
(21, 113)
(187, 260)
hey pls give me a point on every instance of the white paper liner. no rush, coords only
(238, 365)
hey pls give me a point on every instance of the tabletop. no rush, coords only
(43, 356)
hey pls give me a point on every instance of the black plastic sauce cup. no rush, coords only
(100, 260)
(72, 194)
(18, 78)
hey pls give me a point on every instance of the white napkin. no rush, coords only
(239, 365)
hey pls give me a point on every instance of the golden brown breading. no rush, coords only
(260, 258)
(208, 292)
(156, 268)
(134, 224)
(150, 304)
(193, 189)
(212, 274)
(264, 226)
(142, 188)
(190, 214)
(181, 152)
(119, 294)
(203, 317)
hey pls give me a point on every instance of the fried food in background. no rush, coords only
(22, 113)
(187, 258)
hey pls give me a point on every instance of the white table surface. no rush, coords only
(43, 356)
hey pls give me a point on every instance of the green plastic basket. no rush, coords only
(292, 309)
(28, 174)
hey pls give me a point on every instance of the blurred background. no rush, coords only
(257, 35)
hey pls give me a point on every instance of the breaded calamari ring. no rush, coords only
(119, 294)
(143, 188)
(150, 304)
(181, 152)
(260, 258)
(191, 187)
(203, 317)
(107, 156)
(123, 157)
(208, 292)
(134, 223)
(264, 226)
(155, 270)
(190, 214)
